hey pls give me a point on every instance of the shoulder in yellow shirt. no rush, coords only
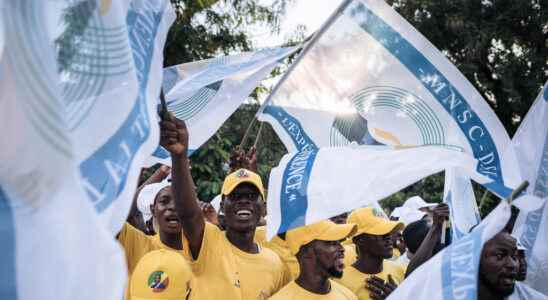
(354, 280)
(225, 272)
(293, 291)
(281, 248)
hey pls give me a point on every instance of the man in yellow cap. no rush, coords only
(320, 254)
(227, 264)
(372, 275)
(161, 274)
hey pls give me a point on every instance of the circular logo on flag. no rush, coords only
(388, 115)
(158, 281)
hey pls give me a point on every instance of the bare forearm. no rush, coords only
(425, 251)
(186, 203)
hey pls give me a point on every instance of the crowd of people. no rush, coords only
(178, 247)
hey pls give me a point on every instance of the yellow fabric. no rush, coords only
(223, 271)
(293, 291)
(354, 280)
(260, 235)
(371, 221)
(350, 255)
(240, 176)
(161, 274)
(136, 244)
(281, 248)
(323, 230)
(396, 253)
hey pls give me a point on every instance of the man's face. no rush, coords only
(522, 270)
(499, 264)
(243, 207)
(329, 257)
(163, 210)
(377, 245)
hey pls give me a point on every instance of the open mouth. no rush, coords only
(244, 214)
(172, 220)
(508, 280)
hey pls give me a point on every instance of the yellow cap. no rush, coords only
(371, 221)
(323, 231)
(161, 274)
(238, 177)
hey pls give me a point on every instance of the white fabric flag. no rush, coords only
(453, 273)
(369, 77)
(316, 184)
(111, 83)
(531, 228)
(459, 195)
(531, 146)
(54, 245)
(207, 92)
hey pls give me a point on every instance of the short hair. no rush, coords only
(414, 234)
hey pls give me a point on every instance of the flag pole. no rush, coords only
(163, 106)
(517, 191)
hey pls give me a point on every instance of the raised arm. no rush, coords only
(174, 138)
(426, 249)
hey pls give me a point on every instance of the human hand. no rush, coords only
(174, 135)
(440, 214)
(209, 212)
(379, 288)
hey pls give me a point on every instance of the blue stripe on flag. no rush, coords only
(105, 171)
(294, 190)
(498, 189)
(540, 188)
(8, 275)
(292, 126)
(440, 87)
(460, 264)
(546, 93)
(531, 229)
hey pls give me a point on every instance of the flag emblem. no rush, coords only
(158, 281)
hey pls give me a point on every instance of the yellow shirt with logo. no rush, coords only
(354, 280)
(293, 291)
(222, 271)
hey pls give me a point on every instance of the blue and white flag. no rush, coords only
(453, 273)
(316, 184)
(369, 77)
(531, 146)
(54, 245)
(459, 195)
(531, 229)
(112, 73)
(205, 93)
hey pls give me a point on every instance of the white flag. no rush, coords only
(207, 92)
(531, 146)
(531, 228)
(53, 243)
(453, 273)
(459, 195)
(111, 84)
(316, 184)
(369, 77)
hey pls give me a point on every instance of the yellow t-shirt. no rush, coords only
(354, 280)
(350, 255)
(225, 272)
(293, 291)
(260, 235)
(281, 248)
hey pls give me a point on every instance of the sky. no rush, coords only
(311, 13)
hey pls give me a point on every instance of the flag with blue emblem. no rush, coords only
(459, 196)
(453, 273)
(54, 243)
(205, 93)
(531, 229)
(318, 183)
(531, 146)
(111, 70)
(369, 77)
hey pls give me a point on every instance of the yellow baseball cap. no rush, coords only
(323, 231)
(240, 176)
(161, 274)
(371, 221)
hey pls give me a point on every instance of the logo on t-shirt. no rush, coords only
(158, 281)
